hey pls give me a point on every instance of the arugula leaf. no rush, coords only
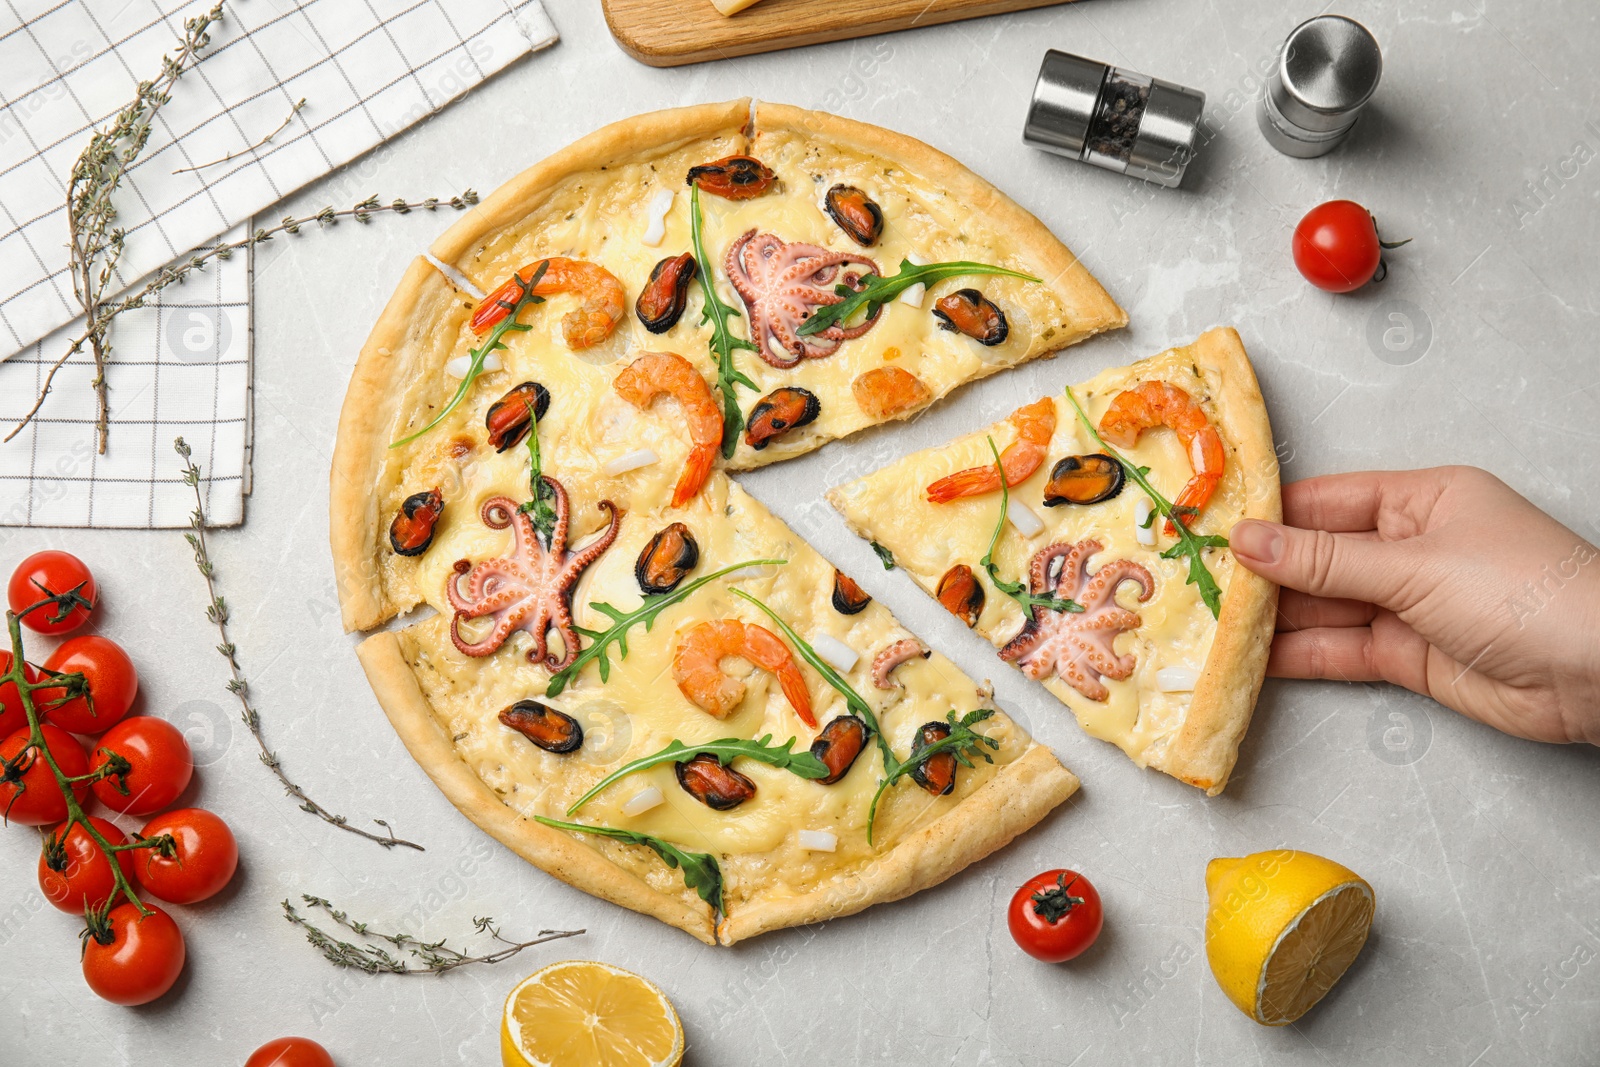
(723, 342)
(1189, 544)
(495, 342)
(877, 291)
(1016, 590)
(622, 621)
(884, 555)
(544, 514)
(802, 763)
(700, 870)
(963, 742)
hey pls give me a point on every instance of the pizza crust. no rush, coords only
(553, 851)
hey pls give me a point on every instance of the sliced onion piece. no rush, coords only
(913, 294)
(631, 461)
(1177, 679)
(1027, 523)
(458, 367)
(657, 214)
(642, 801)
(1143, 528)
(835, 651)
(818, 840)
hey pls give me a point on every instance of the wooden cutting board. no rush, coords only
(669, 33)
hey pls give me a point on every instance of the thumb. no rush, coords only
(1325, 564)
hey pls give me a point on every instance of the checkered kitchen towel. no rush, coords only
(367, 69)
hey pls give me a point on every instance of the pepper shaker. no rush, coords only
(1113, 118)
(1326, 72)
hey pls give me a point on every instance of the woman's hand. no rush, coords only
(1445, 581)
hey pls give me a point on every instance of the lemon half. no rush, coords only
(584, 1014)
(1282, 928)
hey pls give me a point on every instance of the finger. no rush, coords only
(1345, 503)
(1299, 611)
(1336, 565)
(1386, 651)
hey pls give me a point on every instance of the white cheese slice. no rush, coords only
(1177, 679)
(818, 840)
(656, 229)
(643, 801)
(631, 461)
(1143, 529)
(1027, 523)
(835, 651)
(458, 367)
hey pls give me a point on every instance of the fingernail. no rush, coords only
(1260, 541)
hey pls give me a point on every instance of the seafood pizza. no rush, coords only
(1085, 536)
(633, 674)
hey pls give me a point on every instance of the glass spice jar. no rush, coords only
(1113, 118)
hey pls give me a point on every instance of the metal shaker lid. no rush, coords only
(1063, 104)
(1167, 136)
(1328, 69)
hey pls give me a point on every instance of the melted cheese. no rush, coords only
(1177, 629)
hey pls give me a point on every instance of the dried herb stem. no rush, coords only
(217, 613)
(436, 957)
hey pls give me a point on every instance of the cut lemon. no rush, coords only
(584, 1014)
(1282, 928)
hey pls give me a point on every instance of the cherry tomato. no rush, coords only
(290, 1052)
(1336, 246)
(160, 765)
(139, 960)
(46, 573)
(1055, 915)
(83, 876)
(204, 861)
(12, 717)
(32, 796)
(113, 683)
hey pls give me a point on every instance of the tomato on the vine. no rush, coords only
(28, 791)
(1055, 915)
(158, 765)
(52, 573)
(12, 717)
(1337, 247)
(134, 958)
(204, 856)
(74, 873)
(290, 1052)
(109, 674)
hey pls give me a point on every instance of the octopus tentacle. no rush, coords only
(782, 284)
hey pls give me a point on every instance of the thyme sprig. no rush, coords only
(622, 621)
(495, 342)
(1190, 545)
(724, 343)
(700, 870)
(435, 957)
(962, 739)
(876, 291)
(1017, 591)
(12, 772)
(217, 612)
(101, 321)
(802, 763)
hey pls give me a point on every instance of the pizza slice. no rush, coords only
(1085, 537)
(625, 668)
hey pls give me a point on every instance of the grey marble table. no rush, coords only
(1483, 850)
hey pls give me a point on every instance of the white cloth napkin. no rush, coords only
(366, 69)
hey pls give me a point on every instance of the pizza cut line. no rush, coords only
(634, 675)
(1085, 537)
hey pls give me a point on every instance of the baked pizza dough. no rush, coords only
(622, 466)
(1186, 703)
